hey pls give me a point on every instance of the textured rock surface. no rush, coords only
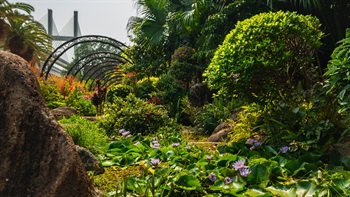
(220, 132)
(38, 157)
(63, 112)
(90, 162)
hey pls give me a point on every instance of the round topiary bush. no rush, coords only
(119, 90)
(265, 57)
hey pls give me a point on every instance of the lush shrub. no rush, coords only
(136, 115)
(119, 90)
(170, 93)
(210, 116)
(146, 87)
(338, 74)
(86, 134)
(265, 57)
(78, 100)
(51, 95)
(183, 66)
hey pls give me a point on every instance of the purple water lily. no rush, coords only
(155, 162)
(208, 157)
(212, 177)
(244, 172)
(284, 149)
(228, 180)
(176, 144)
(238, 165)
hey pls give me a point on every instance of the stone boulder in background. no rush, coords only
(63, 112)
(37, 157)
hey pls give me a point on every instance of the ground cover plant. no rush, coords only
(166, 165)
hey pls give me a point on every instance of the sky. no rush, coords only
(96, 17)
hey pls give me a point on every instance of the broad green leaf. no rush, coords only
(231, 188)
(282, 190)
(107, 163)
(260, 175)
(256, 192)
(307, 189)
(188, 182)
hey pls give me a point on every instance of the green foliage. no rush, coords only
(337, 74)
(146, 87)
(86, 134)
(211, 116)
(135, 115)
(80, 102)
(51, 95)
(183, 66)
(170, 93)
(184, 169)
(119, 90)
(265, 57)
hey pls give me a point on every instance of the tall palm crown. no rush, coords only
(20, 33)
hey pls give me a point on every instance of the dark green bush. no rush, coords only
(119, 90)
(170, 93)
(136, 115)
(183, 65)
(265, 57)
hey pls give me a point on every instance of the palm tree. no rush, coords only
(22, 34)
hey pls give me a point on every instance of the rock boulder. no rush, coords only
(38, 157)
(63, 112)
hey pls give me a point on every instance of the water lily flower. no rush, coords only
(250, 141)
(284, 149)
(238, 165)
(175, 144)
(257, 144)
(208, 157)
(155, 146)
(155, 162)
(122, 130)
(228, 180)
(212, 177)
(244, 172)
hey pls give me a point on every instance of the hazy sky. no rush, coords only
(96, 17)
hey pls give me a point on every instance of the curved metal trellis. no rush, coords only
(103, 78)
(108, 64)
(115, 60)
(107, 67)
(104, 55)
(59, 51)
(106, 80)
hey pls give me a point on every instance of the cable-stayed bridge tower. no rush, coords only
(70, 30)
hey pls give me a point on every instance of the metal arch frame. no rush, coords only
(117, 61)
(97, 67)
(104, 78)
(94, 56)
(115, 77)
(109, 68)
(57, 53)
